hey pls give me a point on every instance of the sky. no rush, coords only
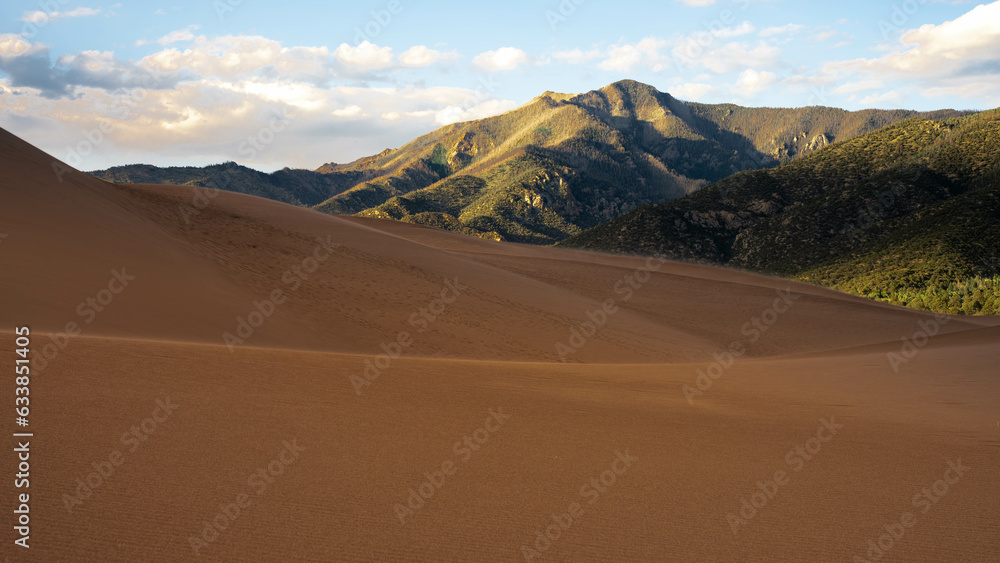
(303, 83)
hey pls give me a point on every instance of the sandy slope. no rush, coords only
(363, 454)
(825, 355)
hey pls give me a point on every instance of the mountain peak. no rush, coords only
(635, 90)
(630, 85)
(555, 96)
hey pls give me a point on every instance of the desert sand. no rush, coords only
(703, 414)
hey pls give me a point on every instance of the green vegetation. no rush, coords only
(969, 297)
(438, 161)
(906, 214)
(543, 132)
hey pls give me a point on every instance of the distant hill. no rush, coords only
(907, 214)
(297, 187)
(559, 164)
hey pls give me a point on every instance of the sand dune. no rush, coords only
(518, 381)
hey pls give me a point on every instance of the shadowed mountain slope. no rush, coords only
(906, 214)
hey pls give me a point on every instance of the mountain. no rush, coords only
(563, 163)
(906, 214)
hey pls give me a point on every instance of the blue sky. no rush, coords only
(301, 83)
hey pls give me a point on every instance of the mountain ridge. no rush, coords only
(557, 165)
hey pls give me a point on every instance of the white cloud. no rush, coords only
(505, 58)
(625, 57)
(729, 32)
(576, 56)
(858, 86)
(365, 55)
(232, 57)
(13, 45)
(621, 58)
(420, 56)
(160, 12)
(880, 100)
(968, 43)
(727, 57)
(179, 36)
(751, 82)
(292, 94)
(236, 56)
(30, 65)
(350, 111)
(780, 30)
(38, 16)
(693, 91)
(747, 85)
(454, 114)
(969, 91)
(825, 35)
(962, 56)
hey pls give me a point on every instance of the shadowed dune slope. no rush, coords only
(202, 260)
